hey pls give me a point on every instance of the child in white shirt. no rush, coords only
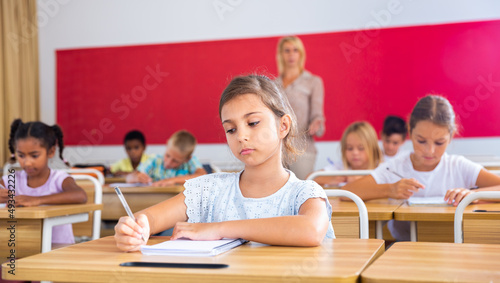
(428, 170)
(360, 151)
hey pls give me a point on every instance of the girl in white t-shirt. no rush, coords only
(265, 202)
(428, 170)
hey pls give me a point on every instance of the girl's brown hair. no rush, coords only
(49, 136)
(274, 98)
(435, 109)
(368, 137)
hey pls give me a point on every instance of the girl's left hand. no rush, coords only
(314, 127)
(196, 231)
(455, 196)
(23, 200)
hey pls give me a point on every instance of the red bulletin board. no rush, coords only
(104, 92)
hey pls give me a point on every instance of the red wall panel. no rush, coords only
(104, 92)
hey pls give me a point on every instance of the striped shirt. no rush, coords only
(155, 168)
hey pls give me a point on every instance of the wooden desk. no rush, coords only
(435, 262)
(482, 227)
(115, 179)
(435, 224)
(339, 260)
(345, 215)
(33, 226)
(138, 198)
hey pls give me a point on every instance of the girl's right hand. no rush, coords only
(128, 233)
(143, 178)
(4, 195)
(138, 177)
(404, 188)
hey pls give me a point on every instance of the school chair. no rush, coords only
(316, 174)
(227, 166)
(87, 171)
(459, 235)
(363, 212)
(8, 166)
(96, 220)
(211, 168)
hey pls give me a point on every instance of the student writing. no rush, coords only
(429, 170)
(265, 202)
(175, 167)
(360, 151)
(33, 144)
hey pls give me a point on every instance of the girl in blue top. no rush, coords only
(265, 202)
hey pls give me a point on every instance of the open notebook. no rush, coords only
(427, 201)
(192, 248)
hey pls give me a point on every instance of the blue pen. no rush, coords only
(330, 161)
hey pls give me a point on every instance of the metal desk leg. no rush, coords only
(379, 233)
(413, 231)
(48, 223)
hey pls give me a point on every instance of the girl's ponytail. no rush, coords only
(60, 143)
(12, 138)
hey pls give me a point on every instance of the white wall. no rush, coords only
(67, 24)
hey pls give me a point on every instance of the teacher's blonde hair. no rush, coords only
(298, 44)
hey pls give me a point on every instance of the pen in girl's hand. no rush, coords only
(127, 208)
(395, 173)
(399, 175)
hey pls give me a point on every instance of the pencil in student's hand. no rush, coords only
(127, 208)
(395, 173)
(399, 175)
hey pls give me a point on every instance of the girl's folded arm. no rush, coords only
(166, 214)
(487, 179)
(72, 193)
(366, 188)
(308, 228)
(330, 180)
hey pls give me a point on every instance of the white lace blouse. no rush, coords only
(217, 197)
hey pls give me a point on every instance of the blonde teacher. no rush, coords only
(305, 93)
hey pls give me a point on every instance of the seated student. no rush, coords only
(360, 151)
(428, 171)
(135, 145)
(33, 144)
(175, 167)
(393, 136)
(265, 202)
